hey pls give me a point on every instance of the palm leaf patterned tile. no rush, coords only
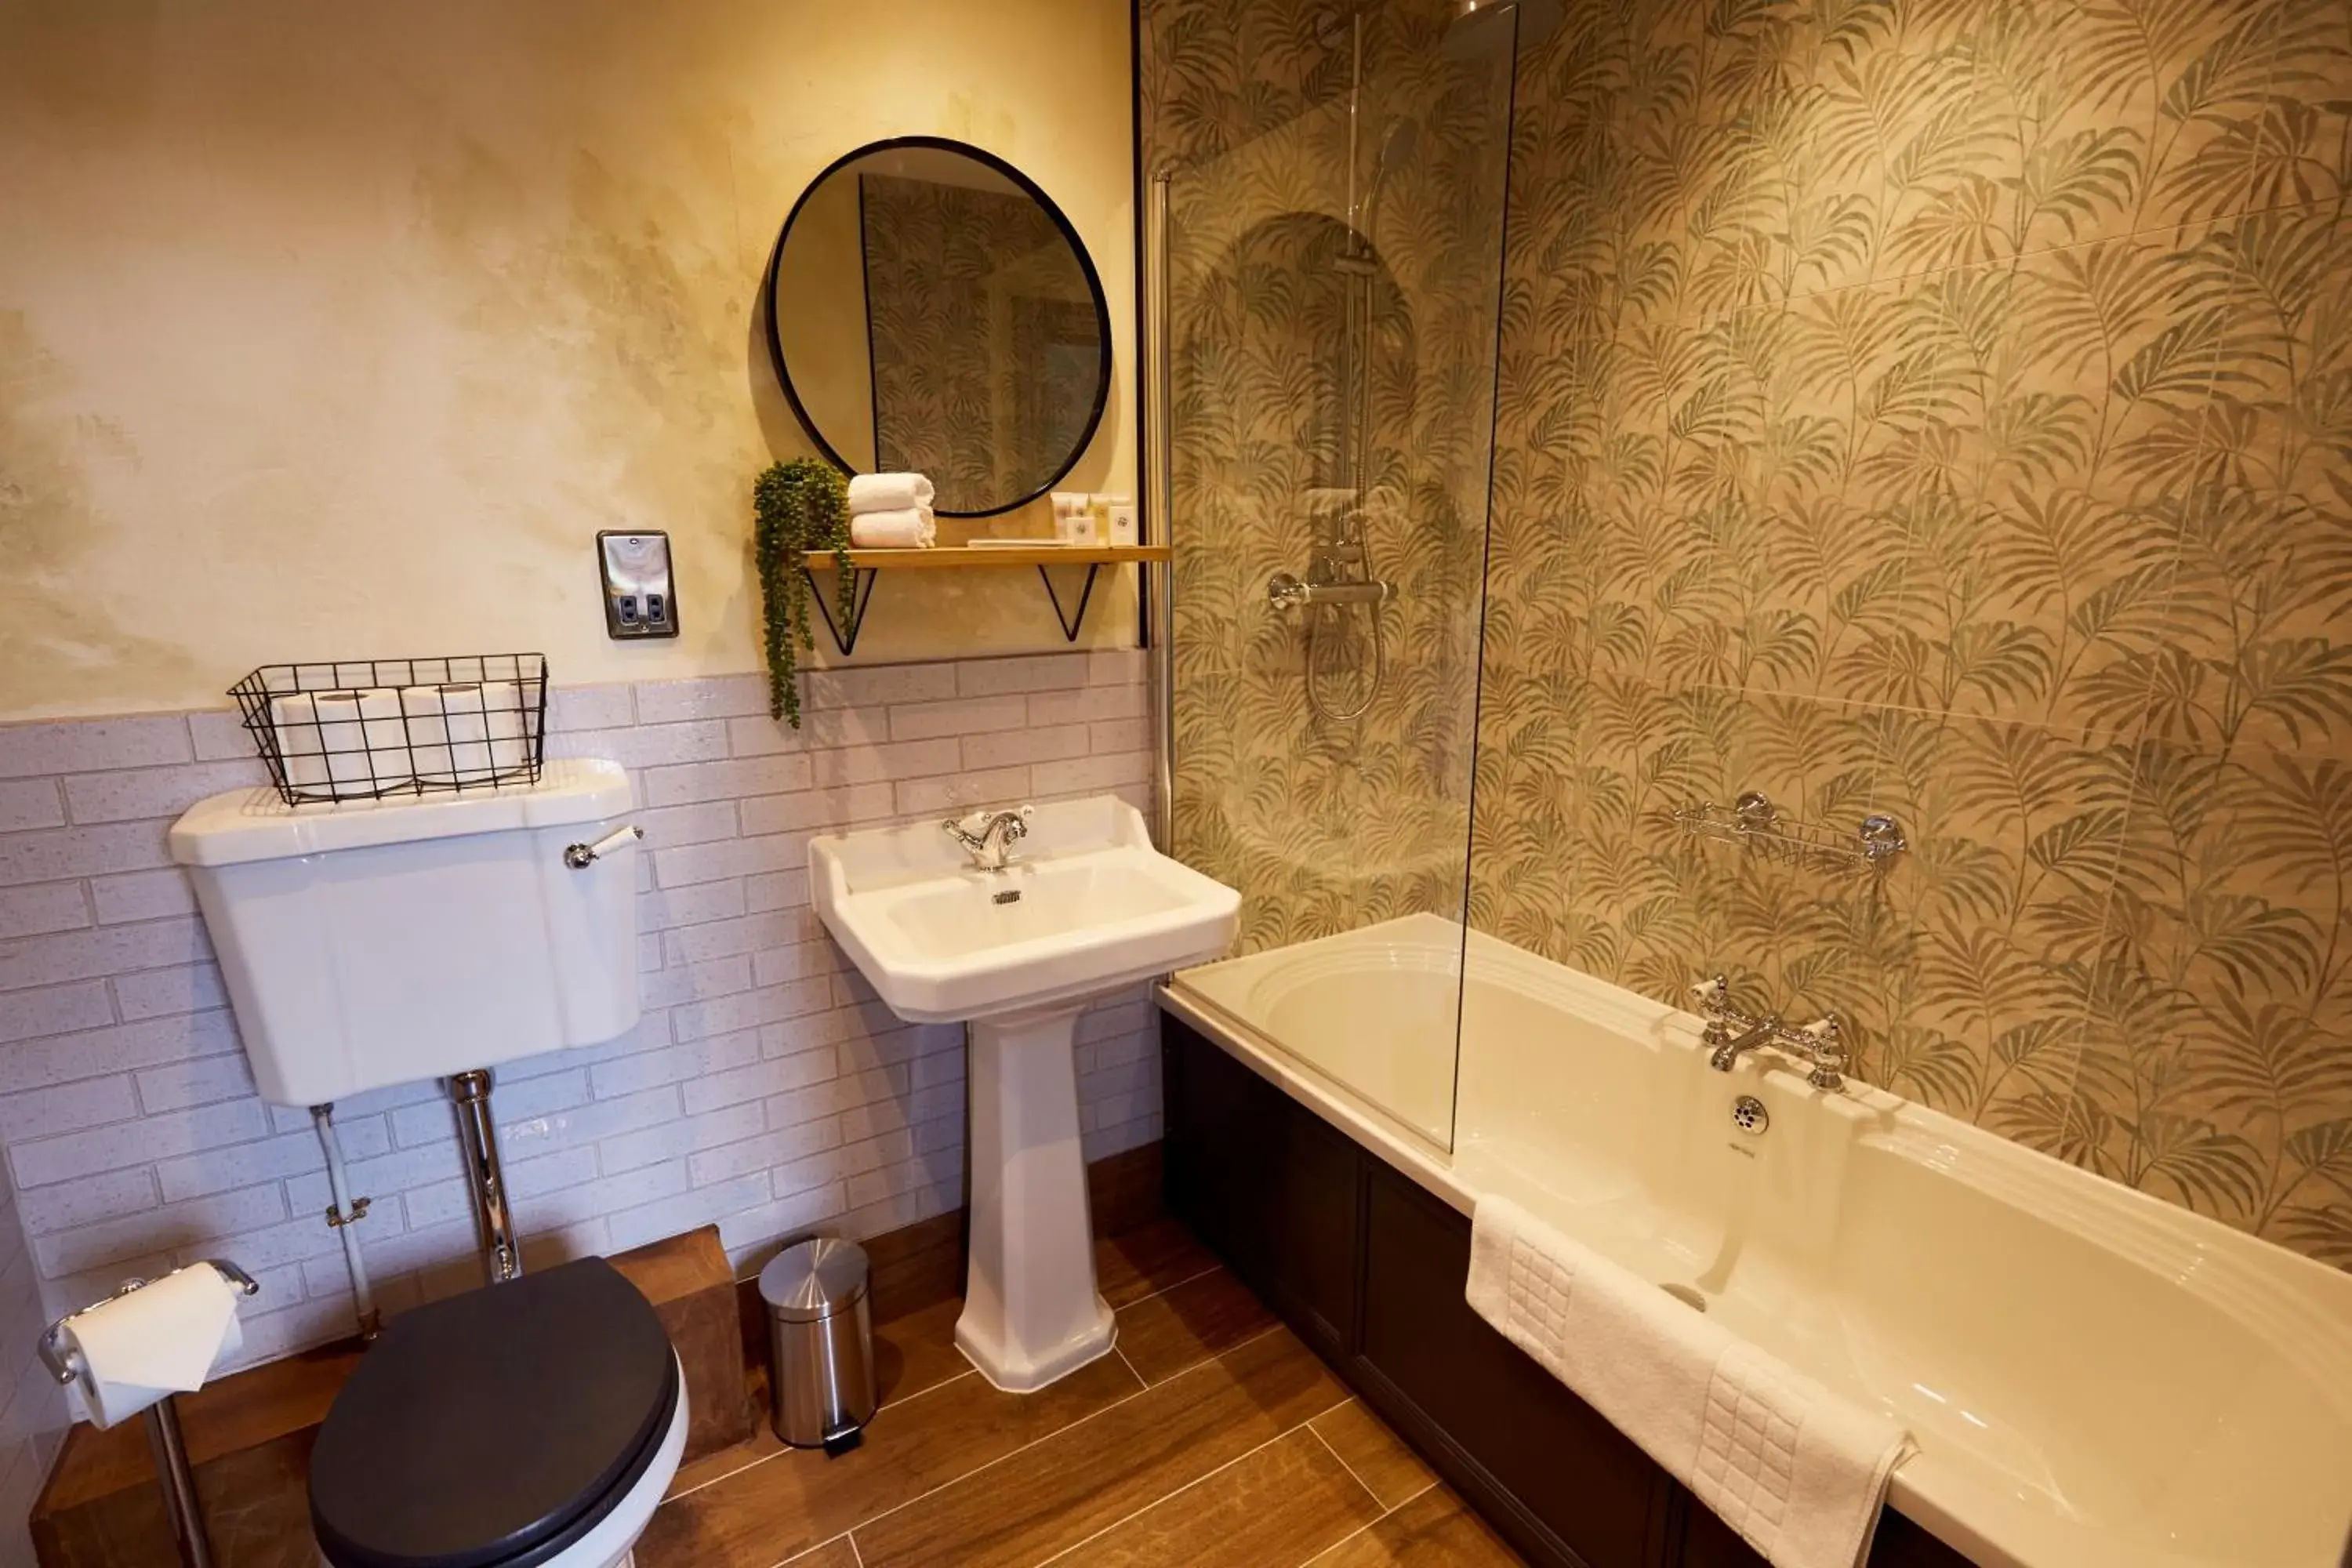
(1937, 406)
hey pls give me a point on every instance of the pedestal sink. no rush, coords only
(1089, 907)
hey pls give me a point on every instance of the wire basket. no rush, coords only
(372, 728)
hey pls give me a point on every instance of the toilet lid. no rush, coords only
(493, 1428)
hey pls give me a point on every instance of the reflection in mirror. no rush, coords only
(930, 310)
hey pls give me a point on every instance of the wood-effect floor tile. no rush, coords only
(759, 1515)
(918, 1353)
(912, 1355)
(726, 1461)
(1087, 1478)
(1181, 1327)
(835, 1553)
(1374, 1454)
(1435, 1530)
(1279, 1505)
(1147, 1261)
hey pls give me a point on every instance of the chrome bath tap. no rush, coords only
(1727, 1045)
(1822, 1045)
(1731, 1034)
(988, 836)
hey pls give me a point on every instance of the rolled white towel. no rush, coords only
(890, 492)
(907, 529)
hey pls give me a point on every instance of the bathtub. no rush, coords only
(2093, 1378)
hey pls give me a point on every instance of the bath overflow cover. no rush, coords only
(1747, 1114)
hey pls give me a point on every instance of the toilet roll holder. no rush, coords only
(64, 1359)
(64, 1363)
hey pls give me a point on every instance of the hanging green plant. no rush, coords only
(799, 506)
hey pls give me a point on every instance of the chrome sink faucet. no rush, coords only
(988, 836)
(1730, 1034)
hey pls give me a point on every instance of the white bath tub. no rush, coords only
(2094, 1378)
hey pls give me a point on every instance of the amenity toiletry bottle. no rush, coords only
(1126, 529)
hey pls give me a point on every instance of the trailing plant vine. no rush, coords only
(799, 506)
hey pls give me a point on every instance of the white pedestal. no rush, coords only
(1031, 1313)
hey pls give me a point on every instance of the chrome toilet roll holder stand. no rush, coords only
(64, 1363)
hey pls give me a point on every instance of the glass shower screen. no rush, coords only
(1333, 293)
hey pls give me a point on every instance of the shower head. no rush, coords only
(1483, 29)
(1397, 148)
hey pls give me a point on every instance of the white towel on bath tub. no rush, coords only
(1798, 1471)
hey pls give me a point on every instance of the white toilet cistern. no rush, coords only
(518, 900)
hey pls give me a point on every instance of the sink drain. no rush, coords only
(1687, 1296)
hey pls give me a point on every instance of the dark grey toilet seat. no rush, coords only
(496, 1428)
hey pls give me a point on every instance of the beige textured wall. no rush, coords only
(329, 332)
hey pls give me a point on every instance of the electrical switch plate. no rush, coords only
(639, 599)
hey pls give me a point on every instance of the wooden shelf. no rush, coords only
(867, 566)
(965, 557)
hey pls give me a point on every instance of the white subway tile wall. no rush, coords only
(766, 1088)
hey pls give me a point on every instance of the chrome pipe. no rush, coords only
(170, 1448)
(343, 1214)
(478, 1136)
(1159, 509)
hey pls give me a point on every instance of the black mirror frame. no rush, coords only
(1061, 221)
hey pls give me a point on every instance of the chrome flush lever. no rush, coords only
(580, 856)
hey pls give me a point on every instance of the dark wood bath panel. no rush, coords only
(1369, 1269)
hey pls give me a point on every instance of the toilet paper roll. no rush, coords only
(163, 1337)
(296, 722)
(366, 741)
(349, 744)
(465, 732)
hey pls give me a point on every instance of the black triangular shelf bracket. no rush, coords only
(861, 594)
(1070, 623)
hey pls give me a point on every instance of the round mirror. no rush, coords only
(930, 311)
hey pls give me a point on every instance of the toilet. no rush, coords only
(529, 1425)
(533, 1422)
